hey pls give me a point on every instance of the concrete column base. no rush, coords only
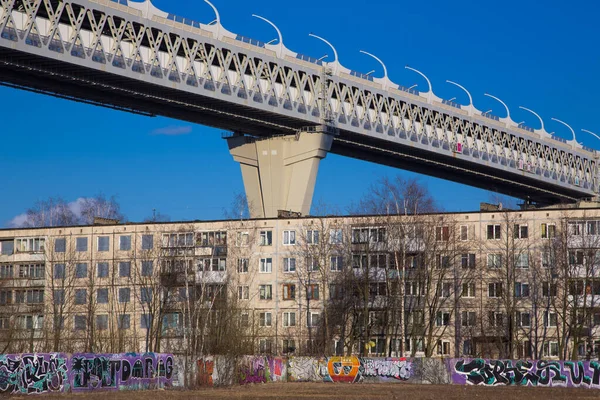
(280, 172)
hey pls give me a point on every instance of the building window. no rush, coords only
(312, 320)
(147, 242)
(337, 263)
(29, 245)
(125, 269)
(550, 349)
(548, 231)
(265, 292)
(60, 245)
(81, 244)
(289, 319)
(33, 271)
(5, 297)
(521, 289)
(80, 323)
(548, 259)
(576, 288)
(550, 319)
(103, 243)
(445, 289)
(312, 292)
(102, 296)
(6, 271)
(468, 318)
(494, 260)
(59, 297)
(312, 237)
(265, 265)
(336, 236)
(442, 233)
(264, 319)
(289, 346)
(212, 264)
(179, 239)
(146, 295)
(33, 296)
(124, 295)
(495, 289)
(102, 322)
(81, 270)
(575, 228)
(125, 242)
(443, 261)
(80, 296)
(522, 260)
(312, 264)
(523, 319)
(59, 271)
(496, 319)
(243, 239)
(242, 265)
(266, 238)
(549, 289)
(520, 231)
(102, 270)
(464, 233)
(245, 320)
(494, 232)
(442, 318)
(289, 264)
(368, 235)
(468, 289)
(289, 291)
(468, 260)
(243, 292)
(468, 347)
(289, 238)
(575, 257)
(265, 346)
(443, 347)
(147, 268)
(124, 321)
(336, 291)
(146, 321)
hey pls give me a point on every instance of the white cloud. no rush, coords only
(75, 206)
(18, 221)
(173, 130)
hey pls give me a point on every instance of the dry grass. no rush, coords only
(388, 391)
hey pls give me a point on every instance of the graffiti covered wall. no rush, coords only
(478, 371)
(58, 372)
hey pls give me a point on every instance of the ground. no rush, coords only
(338, 391)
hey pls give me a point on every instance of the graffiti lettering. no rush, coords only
(33, 373)
(526, 373)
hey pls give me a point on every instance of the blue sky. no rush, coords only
(545, 58)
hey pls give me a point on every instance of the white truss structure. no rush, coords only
(139, 42)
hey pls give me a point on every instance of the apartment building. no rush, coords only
(494, 283)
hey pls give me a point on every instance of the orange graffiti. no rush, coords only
(343, 369)
(205, 372)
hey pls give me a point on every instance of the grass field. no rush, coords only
(303, 391)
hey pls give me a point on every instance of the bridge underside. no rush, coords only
(101, 88)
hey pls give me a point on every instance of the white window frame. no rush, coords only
(312, 236)
(265, 265)
(289, 238)
(464, 229)
(289, 319)
(443, 347)
(289, 265)
(466, 321)
(266, 238)
(265, 319)
(243, 292)
(264, 287)
(440, 318)
(545, 230)
(243, 265)
(496, 234)
(471, 288)
(310, 319)
(494, 260)
(242, 239)
(336, 236)
(496, 286)
(520, 319)
(518, 231)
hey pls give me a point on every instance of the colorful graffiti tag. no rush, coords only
(526, 373)
(354, 369)
(262, 370)
(120, 371)
(206, 368)
(33, 373)
(57, 372)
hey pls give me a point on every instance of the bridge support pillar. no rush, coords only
(280, 172)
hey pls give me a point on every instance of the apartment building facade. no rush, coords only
(492, 284)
